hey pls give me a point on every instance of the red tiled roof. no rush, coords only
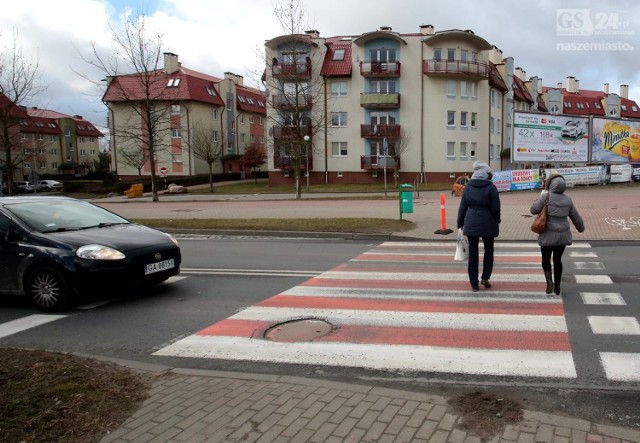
(191, 85)
(251, 100)
(542, 107)
(337, 68)
(590, 103)
(495, 79)
(39, 125)
(520, 91)
(14, 111)
(630, 105)
(84, 128)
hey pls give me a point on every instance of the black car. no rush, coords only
(54, 249)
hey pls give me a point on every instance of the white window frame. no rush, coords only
(176, 133)
(339, 149)
(451, 150)
(342, 119)
(339, 89)
(451, 119)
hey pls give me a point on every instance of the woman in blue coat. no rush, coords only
(557, 235)
(479, 216)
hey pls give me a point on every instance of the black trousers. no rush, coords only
(487, 260)
(547, 253)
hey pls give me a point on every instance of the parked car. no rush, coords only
(25, 187)
(51, 185)
(635, 172)
(573, 129)
(56, 249)
(458, 185)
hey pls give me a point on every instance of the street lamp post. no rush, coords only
(306, 150)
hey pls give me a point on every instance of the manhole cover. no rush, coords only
(298, 330)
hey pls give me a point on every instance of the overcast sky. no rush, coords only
(596, 41)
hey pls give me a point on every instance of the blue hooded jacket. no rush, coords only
(479, 211)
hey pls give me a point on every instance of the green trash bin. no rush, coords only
(406, 199)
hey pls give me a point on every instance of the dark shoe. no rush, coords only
(549, 279)
(549, 289)
(556, 289)
(485, 283)
(475, 288)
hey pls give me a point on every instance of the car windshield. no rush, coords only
(63, 215)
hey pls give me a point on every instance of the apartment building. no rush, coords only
(58, 144)
(197, 117)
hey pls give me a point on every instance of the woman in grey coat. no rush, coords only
(557, 235)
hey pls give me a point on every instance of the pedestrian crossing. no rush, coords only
(407, 306)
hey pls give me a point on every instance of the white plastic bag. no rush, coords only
(462, 247)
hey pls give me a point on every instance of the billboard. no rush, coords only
(615, 141)
(548, 138)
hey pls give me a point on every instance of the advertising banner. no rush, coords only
(584, 175)
(547, 138)
(518, 180)
(615, 141)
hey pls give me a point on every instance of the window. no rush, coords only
(40, 137)
(173, 82)
(53, 151)
(54, 165)
(338, 89)
(474, 120)
(382, 86)
(252, 138)
(176, 133)
(215, 136)
(451, 149)
(83, 152)
(382, 55)
(229, 104)
(211, 91)
(176, 158)
(175, 109)
(437, 54)
(214, 114)
(339, 119)
(451, 88)
(338, 149)
(567, 104)
(474, 91)
(451, 119)
(463, 149)
(473, 149)
(463, 119)
(597, 105)
(25, 136)
(463, 55)
(463, 89)
(451, 55)
(261, 121)
(492, 125)
(252, 119)
(42, 165)
(498, 124)
(53, 138)
(80, 139)
(27, 165)
(241, 118)
(338, 54)
(242, 138)
(624, 107)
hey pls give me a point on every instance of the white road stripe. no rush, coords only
(614, 325)
(422, 294)
(621, 366)
(24, 323)
(232, 271)
(527, 363)
(476, 321)
(593, 279)
(582, 254)
(588, 265)
(602, 298)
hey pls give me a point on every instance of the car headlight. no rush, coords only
(99, 252)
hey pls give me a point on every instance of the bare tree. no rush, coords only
(396, 148)
(138, 86)
(134, 157)
(296, 92)
(254, 156)
(19, 83)
(206, 146)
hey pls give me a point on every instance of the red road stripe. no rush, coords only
(395, 335)
(421, 284)
(398, 267)
(442, 258)
(371, 304)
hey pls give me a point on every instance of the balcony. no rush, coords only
(461, 68)
(380, 69)
(290, 101)
(378, 162)
(291, 71)
(379, 131)
(290, 132)
(287, 162)
(377, 100)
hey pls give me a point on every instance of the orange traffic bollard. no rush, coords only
(443, 217)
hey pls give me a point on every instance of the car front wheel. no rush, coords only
(48, 289)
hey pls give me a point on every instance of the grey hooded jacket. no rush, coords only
(561, 206)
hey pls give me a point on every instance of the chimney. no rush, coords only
(577, 86)
(571, 84)
(237, 79)
(171, 64)
(606, 88)
(312, 33)
(385, 28)
(426, 29)
(559, 85)
(495, 55)
(624, 91)
(520, 73)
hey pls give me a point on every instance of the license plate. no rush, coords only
(158, 267)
